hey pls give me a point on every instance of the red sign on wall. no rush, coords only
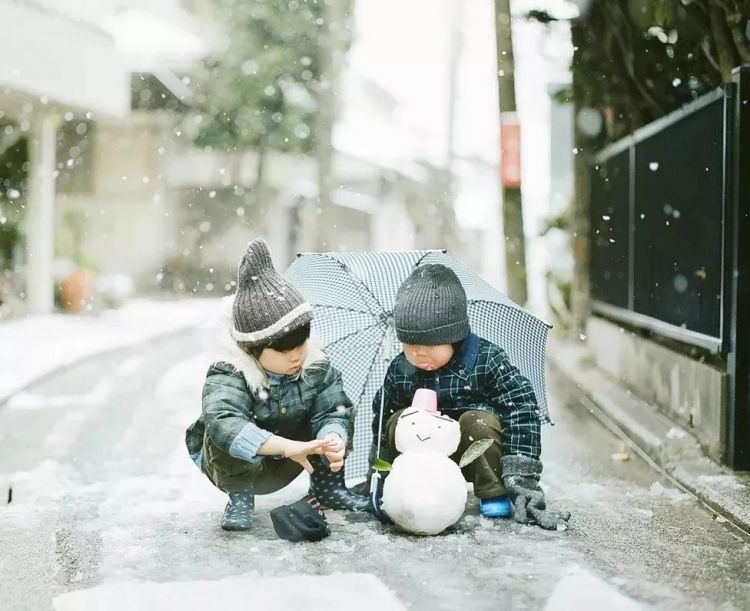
(510, 151)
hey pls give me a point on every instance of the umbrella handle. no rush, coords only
(380, 419)
(376, 498)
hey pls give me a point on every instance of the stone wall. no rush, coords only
(690, 392)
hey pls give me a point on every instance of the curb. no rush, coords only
(668, 446)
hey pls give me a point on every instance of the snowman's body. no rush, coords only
(425, 492)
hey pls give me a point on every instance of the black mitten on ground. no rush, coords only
(300, 521)
(521, 478)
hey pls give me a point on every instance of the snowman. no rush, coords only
(425, 492)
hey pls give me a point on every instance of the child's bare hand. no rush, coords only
(298, 451)
(334, 450)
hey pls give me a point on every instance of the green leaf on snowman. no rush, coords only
(474, 451)
(381, 465)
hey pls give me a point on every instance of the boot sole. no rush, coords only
(232, 528)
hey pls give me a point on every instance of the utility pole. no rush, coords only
(580, 290)
(321, 220)
(448, 234)
(515, 243)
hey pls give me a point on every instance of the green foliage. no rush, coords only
(10, 235)
(260, 89)
(559, 292)
(381, 465)
(14, 160)
(71, 238)
(637, 60)
(561, 221)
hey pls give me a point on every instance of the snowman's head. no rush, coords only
(421, 430)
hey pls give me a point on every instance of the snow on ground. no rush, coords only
(33, 347)
(250, 592)
(109, 510)
(579, 589)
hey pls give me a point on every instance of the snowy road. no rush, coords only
(108, 513)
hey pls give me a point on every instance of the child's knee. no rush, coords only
(226, 472)
(390, 430)
(230, 480)
(479, 424)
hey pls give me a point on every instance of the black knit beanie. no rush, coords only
(431, 307)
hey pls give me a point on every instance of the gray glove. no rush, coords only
(521, 478)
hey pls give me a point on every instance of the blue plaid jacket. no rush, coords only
(479, 376)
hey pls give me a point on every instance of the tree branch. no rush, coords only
(620, 29)
(735, 18)
(724, 46)
(706, 48)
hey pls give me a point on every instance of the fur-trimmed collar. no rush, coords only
(227, 351)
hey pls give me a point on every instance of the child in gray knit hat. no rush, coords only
(476, 385)
(272, 404)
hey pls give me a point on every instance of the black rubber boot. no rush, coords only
(238, 514)
(330, 489)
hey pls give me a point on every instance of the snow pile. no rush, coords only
(35, 346)
(312, 593)
(579, 589)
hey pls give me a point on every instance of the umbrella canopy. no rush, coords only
(353, 294)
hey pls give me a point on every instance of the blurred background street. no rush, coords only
(588, 158)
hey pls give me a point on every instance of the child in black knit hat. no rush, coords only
(272, 404)
(476, 385)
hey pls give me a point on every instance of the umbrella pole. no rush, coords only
(376, 482)
(380, 419)
(386, 359)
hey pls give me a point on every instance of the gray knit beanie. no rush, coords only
(265, 306)
(431, 307)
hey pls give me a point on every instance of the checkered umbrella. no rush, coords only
(352, 295)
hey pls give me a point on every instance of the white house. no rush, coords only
(52, 62)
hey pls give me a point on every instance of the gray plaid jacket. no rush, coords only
(479, 376)
(239, 421)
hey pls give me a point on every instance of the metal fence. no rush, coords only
(657, 203)
(670, 235)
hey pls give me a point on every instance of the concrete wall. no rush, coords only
(123, 221)
(691, 393)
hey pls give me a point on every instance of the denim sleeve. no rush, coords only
(247, 443)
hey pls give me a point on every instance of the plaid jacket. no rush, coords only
(479, 376)
(239, 421)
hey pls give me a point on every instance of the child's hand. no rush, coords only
(334, 450)
(298, 451)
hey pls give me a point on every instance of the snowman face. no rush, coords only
(419, 430)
